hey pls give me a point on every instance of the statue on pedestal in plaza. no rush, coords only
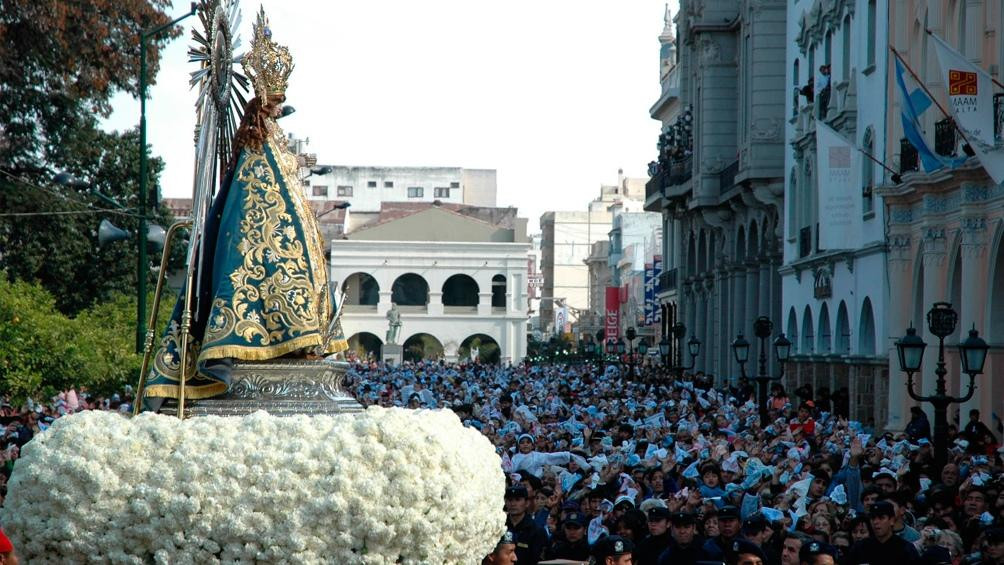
(394, 325)
(256, 313)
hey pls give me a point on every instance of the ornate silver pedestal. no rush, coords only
(282, 387)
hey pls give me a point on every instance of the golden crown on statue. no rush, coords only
(267, 63)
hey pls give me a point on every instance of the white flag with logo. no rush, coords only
(971, 98)
(838, 164)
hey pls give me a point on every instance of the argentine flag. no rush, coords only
(913, 102)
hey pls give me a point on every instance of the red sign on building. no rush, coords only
(612, 319)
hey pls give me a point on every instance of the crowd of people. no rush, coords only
(657, 470)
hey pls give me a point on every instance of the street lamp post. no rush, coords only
(762, 329)
(631, 334)
(142, 266)
(941, 322)
(693, 349)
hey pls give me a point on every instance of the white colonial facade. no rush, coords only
(835, 299)
(448, 293)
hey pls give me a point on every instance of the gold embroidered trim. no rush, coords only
(191, 392)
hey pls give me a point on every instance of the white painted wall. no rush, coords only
(436, 262)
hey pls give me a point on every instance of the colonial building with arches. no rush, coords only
(459, 284)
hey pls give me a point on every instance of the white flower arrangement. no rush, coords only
(383, 486)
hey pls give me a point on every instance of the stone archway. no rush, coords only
(461, 290)
(361, 289)
(410, 289)
(487, 348)
(366, 344)
(422, 346)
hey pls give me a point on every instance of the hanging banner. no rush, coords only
(649, 294)
(612, 321)
(657, 275)
(840, 211)
(971, 97)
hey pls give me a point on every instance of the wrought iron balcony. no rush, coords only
(999, 116)
(667, 280)
(945, 140)
(908, 158)
(680, 171)
(727, 176)
(804, 242)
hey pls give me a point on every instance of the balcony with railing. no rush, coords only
(804, 242)
(908, 158)
(999, 116)
(680, 171)
(667, 280)
(945, 140)
(727, 177)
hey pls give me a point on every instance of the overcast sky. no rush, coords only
(554, 94)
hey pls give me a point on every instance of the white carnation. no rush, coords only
(384, 486)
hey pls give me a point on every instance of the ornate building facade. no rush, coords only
(945, 229)
(719, 178)
(835, 284)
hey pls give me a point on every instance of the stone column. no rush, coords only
(724, 352)
(436, 303)
(752, 305)
(899, 314)
(700, 322)
(935, 259)
(384, 304)
(975, 293)
(485, 303)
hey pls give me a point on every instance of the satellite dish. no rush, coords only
(108, 233)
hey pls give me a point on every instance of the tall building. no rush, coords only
(719, 178)
(566, 241)
(835, 286)
(945, 228)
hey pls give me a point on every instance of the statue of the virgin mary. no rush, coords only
(262, 291)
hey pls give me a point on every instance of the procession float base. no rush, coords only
(381, 486)
(281, 387)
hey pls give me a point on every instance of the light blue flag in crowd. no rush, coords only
(913, 102)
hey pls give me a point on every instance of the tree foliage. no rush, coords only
(60, 63)
(61, 250)
(43, 351)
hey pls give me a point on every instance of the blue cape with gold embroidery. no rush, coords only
(263, 292)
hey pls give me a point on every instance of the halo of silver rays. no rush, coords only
(221, 99)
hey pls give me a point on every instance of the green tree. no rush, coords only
(55, 243)
(60, 64)
(43, 351)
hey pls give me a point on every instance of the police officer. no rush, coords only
(684, 544)
(649, 549)
(817, 553)
(504, 552)
(612, 550)
(728, 530)
(530, 538)
(574, 546)
(744, 552)
(883, 546)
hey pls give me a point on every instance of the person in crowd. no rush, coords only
(883, 546)
(919, 426)
(744, 552)
(816, 553)
(572, 544)
(504, 552)
(792, 546)
(613, 550)
(685, 545)
(728, 527)
(648, 550)
(530, 538)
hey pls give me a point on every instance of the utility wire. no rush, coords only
(71, 212)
